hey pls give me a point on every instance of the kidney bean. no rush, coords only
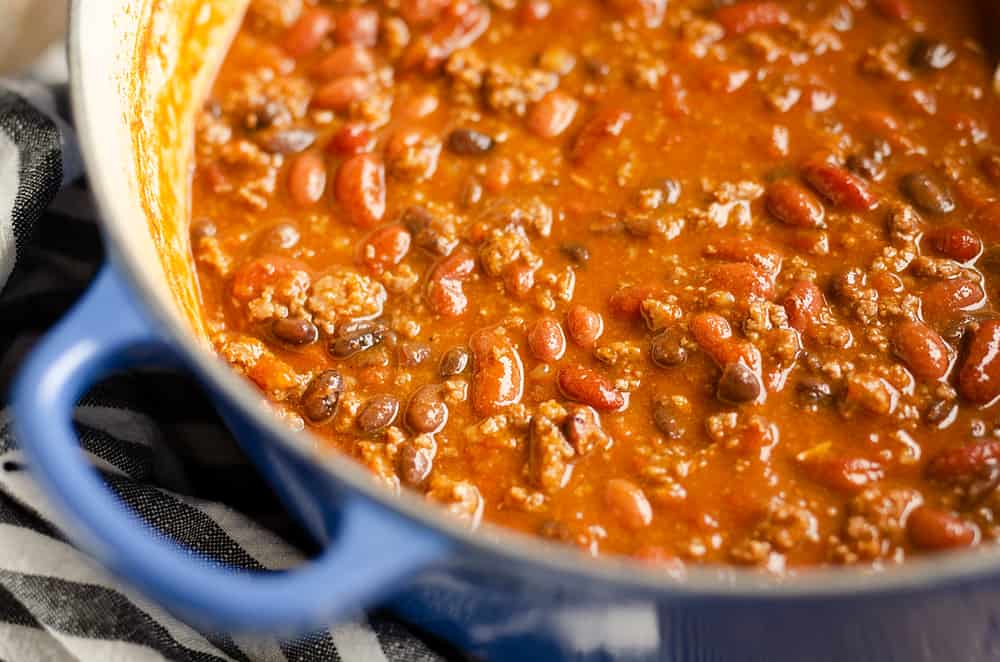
(426, 412)
(322, 396)
(584, 326)
(666, 350)
(551, 116)
(360, 189)
(795, 206)
(803, 304)
(378, 413)
(459, 25)
(546, 340)
(307, 179)
(589, 387)
(966, 464)
(414, 464)
(751, 15)
(252, 278)
(838, 185)
(738, 384)
(454, 362)
(498, 374)
(957, 243)
(468, 142)
(445, 295)
(898, 10)
(288, 141)
(843, 474)
(346, 61)
(607, 123)
(667, 418)
(628, 503)
(582, 429)
(944, 299)
(385, 248)
(922, 350)
(340, 93)
(294, 331)
(743, 280)
(352, 138)
(358, 26)
(356, 337)
(936, 529)
(308, 31)
(626, 303)
(518, 279)
(979, 375)
(927, 193)
(714, 334)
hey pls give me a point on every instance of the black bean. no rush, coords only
(667, 419)
(666, 350)
(426, 411)
(931, 54)
(813, 392)
(294, 331)
(288, 141)
(468, 142)
(414, 464)
(421, 224)
(322, 396)
(355, 338)
(926, 193)
(203, 227)
(454, 362)
(738, 384)
(576, 252)
(378, 413)
(582, 429)
(870, 161)
(279, 237)
(410, 354)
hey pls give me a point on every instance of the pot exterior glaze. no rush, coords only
(492, 593)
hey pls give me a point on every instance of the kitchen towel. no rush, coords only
(152, 436)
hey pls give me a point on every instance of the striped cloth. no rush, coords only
(152, 436)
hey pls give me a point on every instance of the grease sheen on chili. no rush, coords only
(706, 282)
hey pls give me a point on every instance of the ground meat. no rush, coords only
(549, 451)
(342, 295)
(875, 525)
(460, 497)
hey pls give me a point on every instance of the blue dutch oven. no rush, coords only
(138, 68)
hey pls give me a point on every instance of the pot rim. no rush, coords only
(700, 582)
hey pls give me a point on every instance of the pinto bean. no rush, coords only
(414, 464)
(322, 396)
(360, 189)
(307, 179)
(629, 503)
(922, 350)
(346, 61)
(626, 303)
(745, 281)
(584, 326)
(498, 373)
(794, 205)
(454, 362)
(589, 387)
(378, 413)
(547, 340)
(933, 528)
(308, 31)
(458, 26)
(445, 295)
(582, 429)
(357, 337)
(352, 138)
(666, 349)
(838, 185)
(751, 15)
(979, 375)
(426, 412)
(766, 258)
(340, 93)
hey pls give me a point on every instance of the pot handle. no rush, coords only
(372, 550)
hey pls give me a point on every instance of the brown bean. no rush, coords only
(346, 61)
(629, 503)
(795, 206)
(546, 340)
(936, 529)
(979, 375)
(927, 193)
(584, 326)
(454, 362)
(307, 179)
(551, 116)
(922, 350)
(589, 387)
(467, 142)
(358, 26)
(839, 186)
(666, 349)
(360, 189)
(498, 374)
(426, 412)
(354, 338)
(385, 248)
(378, 413)
(322, 396)
(414, 464)
(738, 384)
(308, 31)
(340, 93)
(294, 331)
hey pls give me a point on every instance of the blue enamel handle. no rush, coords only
(372, 550)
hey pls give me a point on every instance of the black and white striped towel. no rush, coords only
(157, 443)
